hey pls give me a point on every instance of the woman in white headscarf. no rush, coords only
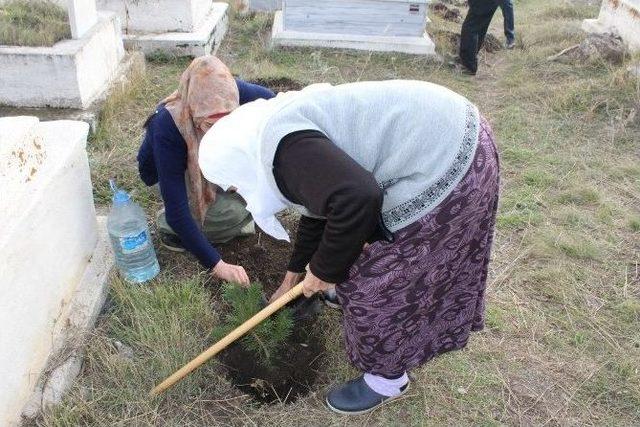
(409, 167)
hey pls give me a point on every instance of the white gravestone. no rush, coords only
(179, 27)
(49, 242)
(82, 16)
(377, 25)
(620, 18)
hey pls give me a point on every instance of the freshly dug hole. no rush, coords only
(292, 374)
(278, 360)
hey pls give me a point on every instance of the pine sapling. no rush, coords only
(267, 339)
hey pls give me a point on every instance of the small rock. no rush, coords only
(124, 350)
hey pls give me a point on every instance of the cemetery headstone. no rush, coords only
(82, 17)
(377, 25)
(176, 27)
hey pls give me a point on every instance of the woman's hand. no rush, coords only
(290, 280)
(311, 284)
(230, 273)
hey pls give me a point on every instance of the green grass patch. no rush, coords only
(538, 179)
(33, 23)
(629, 310)
(164, 324)
(579, 196)
(576, 247)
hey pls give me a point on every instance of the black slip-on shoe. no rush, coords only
(510, 44)
(171, 242)
(459, 67)
(355, 397)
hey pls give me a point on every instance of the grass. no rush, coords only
(562, 343)
(33, 23)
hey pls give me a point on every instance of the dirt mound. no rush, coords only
(446, 12)
(491, 43)
(278, 84)
(447, 41)
(450, 41)
(596, 47)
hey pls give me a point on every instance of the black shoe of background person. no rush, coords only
(459, 67)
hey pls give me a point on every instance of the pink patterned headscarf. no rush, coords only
(207, 91)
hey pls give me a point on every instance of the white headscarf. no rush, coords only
(230, 156)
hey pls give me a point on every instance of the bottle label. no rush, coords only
(131, 244)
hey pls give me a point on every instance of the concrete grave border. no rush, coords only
(70, 74)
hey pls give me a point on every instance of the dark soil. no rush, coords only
(279, 84)
(291, 377)
(264, 258)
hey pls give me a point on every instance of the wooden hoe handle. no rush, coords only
(289, 296)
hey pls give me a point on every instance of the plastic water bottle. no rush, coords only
(132, 245)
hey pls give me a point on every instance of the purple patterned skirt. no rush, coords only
(408, 301)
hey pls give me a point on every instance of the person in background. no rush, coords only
(474, 30)
(196, 214)
(509, 23)
(407, 166)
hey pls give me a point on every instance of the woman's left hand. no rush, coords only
(311, 284)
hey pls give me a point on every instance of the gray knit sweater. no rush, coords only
(417, 138)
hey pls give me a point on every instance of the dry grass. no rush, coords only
(33, 23)
(562, 343)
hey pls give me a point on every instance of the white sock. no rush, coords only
(384, 386)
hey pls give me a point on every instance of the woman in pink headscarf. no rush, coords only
(195, 215)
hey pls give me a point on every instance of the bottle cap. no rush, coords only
(119, 196)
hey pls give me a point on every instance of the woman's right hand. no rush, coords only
(290, 280)
(230, 273)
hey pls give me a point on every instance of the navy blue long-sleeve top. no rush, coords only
(162, 159)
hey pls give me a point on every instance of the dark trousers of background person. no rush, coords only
(509, 20)
(474, 30)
